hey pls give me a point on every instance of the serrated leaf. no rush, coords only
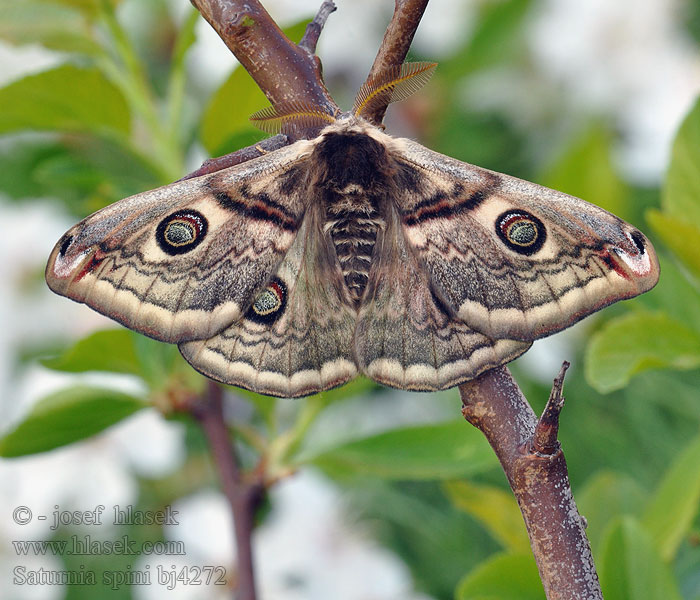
(110, 351)
(441, 451)
(681, 193)
(675, 503)
(68, 416)
(680, 235)
(630, 567)
(496, 509)
(49, 24)
(502, 577)
(67, 98)
(637, 342)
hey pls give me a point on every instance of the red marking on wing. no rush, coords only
(89, 266)
(279, 292)
(614, 265)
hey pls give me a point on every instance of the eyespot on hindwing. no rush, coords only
(269, 304)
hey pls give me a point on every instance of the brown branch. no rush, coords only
(284, 71)
(397, 40)
(243, 497)
(307, 87)
(539, 479)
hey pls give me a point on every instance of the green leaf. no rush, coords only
(637, 342)
(67, 98)
(158, 361)
(586, 171)
(51, 25)
(676, 295)
(498, 37)
(89, 7)
(630, 567)
(68, 416)
(111, 351)
(607, 496)
(672, 510)
(128, 352)
(502, 577)
(84, 172)
(267, 405)
(226, 125)
(484, 138)
(496, 509)
(441, 451)
(229, 110)
(18, 162)
(681, 194)
(680, 236)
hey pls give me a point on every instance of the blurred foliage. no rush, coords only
(117, 115)
(69, 415)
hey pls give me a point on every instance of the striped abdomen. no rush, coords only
(353, 220)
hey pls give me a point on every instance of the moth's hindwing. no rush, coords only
(182, 262)
(406, 337)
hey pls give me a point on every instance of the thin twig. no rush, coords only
(313, 29)
(243, 497)
(494, 404)
(544, 440)
(211, 165)
(397, 40)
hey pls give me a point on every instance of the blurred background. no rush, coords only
(379, 494)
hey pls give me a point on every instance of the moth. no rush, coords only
(352, 252)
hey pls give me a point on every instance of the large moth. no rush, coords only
(352, 252)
